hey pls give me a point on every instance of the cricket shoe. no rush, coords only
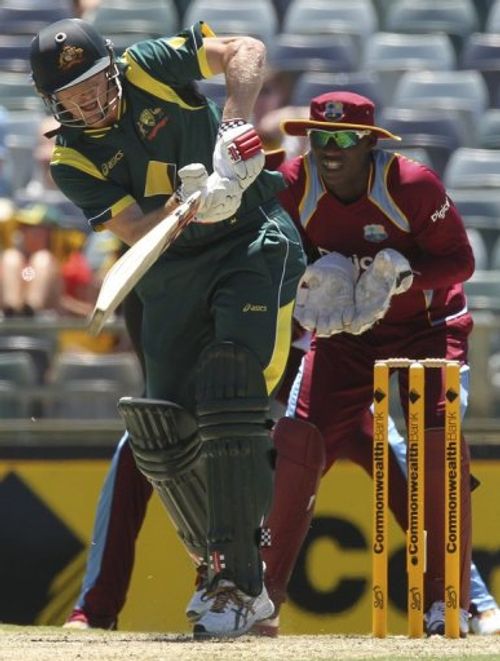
(232, 613)
(200, 601)
(268, 628)
(78, 619)
(434, 620)
(486, 623)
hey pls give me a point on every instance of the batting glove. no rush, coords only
(238, 152)
(389, 274)
(220, 197)
(325, 296)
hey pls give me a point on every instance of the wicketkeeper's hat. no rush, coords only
(338, 111)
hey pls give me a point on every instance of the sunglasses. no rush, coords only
(342, 139)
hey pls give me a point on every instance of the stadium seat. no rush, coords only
(281, 6)
(482, 290)
(483, 8)
(473, 168)
(481, 51)
(89, 385)
(311, 84)
(445, 91)
(14, 53)
(257, 18)
(492, 23)
(480, 210)
(17, 374)
(307, 52)
(62, 5)
(487, 227)
(92, 399)
(438, 134)
(124, 368)
(18, 93)
(391, 54)
(489, 129)
(478, 248)
(40, 349)
(457, 18)
(29, 19)
(18, 368)
(419, 154)
(482, 204)
(495, 254)
(155, 20)
(494, 377)
(354, 17)
(214, 88)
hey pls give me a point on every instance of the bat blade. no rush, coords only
(129, 269)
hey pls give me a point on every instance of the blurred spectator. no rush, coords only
(46, 264)
(82, 6)
(275, 93)
(41, 190)
(30, 278)
(272, 136)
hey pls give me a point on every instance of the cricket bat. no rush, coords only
(129, 269)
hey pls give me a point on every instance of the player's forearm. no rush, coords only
(435, 272)
(244, 73)
(131, 225)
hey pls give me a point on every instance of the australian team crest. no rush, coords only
(151, 120)
(375, 233)
(69, 57)
(334, 111)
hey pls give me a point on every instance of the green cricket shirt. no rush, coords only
(234, 280)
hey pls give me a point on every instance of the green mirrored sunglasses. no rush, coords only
(343, 139)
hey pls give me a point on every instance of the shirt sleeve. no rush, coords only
(83, 184)
(176, 60)
(444, 255)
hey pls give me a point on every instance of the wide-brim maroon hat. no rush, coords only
(338, 111)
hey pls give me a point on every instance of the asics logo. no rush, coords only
(109, 165)
(250, 307)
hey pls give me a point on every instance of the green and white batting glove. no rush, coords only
(220, 197)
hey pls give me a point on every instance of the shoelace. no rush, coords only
(222, 595)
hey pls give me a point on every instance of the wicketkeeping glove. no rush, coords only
(220, 197)
(325, 296)
(238, 152)
(389, 274)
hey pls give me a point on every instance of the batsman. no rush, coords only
(136, 139)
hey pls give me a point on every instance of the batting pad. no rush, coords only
(167, 450)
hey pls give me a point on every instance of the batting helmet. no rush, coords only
(67, 53)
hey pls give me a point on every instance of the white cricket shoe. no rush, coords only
(486, 623)
(434, 620)
(268, 628)
(200, 601)
(232, 612)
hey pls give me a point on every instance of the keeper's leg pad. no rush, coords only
(167, 450)
(232, 407)
(300, 463)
